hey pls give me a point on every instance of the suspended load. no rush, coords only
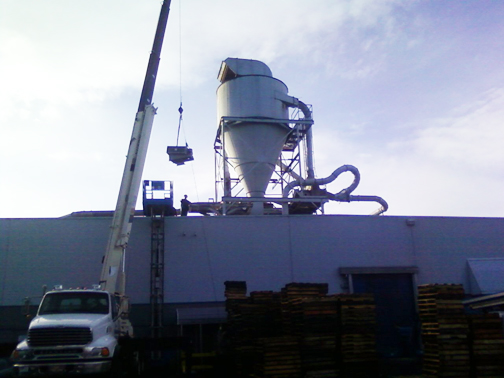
(180, 154)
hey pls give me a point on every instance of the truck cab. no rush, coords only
(74, 332)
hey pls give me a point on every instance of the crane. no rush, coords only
(113, 277)
(78, 331)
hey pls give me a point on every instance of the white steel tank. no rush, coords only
(252, 144)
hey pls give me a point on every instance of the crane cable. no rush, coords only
(180, 109)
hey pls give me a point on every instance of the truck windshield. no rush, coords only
(75, 302)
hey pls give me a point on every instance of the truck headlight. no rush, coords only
(20, 354)
(99, 352)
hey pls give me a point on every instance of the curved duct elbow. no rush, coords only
(323, 181)
(343, 195)
(305, 110)
(381, 201)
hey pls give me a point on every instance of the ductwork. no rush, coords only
(310, 171)
(343, 195)
(323, 181)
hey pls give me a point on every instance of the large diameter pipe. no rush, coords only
(352, 198)
(310, 171)
(381, 201)
(343, 195)
(323, 181)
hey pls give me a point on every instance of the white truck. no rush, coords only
(74, 332)
(78, 331)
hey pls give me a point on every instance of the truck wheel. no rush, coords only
(117, 365)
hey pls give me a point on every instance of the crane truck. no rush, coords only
(79, 331)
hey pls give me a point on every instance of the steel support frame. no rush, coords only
(226, 182)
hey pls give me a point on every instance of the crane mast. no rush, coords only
(112, 277)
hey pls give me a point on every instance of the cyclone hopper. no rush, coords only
(250, 113)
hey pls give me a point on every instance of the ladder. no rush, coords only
(157, 274)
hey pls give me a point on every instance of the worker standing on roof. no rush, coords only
(184, 206)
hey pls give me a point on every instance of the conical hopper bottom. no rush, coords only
(253, 150)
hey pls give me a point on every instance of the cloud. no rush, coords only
(469, 137)
(332, 35)
(71, 52)
(442, 166)
(386, 94)
(80, 52)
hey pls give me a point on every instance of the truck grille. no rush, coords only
(60, 353)
(42, 337)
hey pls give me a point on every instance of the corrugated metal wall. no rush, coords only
(267, 252)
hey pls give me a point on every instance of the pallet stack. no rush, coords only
(444, 331)
(358, 334)
(239, 344)
(310, 315)
(235, 290)
(319, 356)
(301, 332)
(236, 304)
(264, 314)
(291, 296)
(278, 357)
(487, 345)
(304, 290)
(317, 325)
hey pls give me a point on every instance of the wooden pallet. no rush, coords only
(487, 345)
(444, 331)
(280, 357)
(301, 332)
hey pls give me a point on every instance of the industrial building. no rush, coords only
(176, 266)
(388, 255)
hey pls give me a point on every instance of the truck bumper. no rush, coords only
(62, 368)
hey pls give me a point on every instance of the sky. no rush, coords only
(411, 92)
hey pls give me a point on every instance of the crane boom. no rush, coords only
(112, 276)
(155, 56)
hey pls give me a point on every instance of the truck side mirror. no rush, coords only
(26, 308)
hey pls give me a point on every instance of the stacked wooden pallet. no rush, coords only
(319, 356)
(278, 357)
(487, 345)
(262, 314)
(304, 290)
(444, 331)
(235, 290)
(291, 297)
(358, 334)
(309, 314)
(239, 346)
(236, 302)
(301, 331)
(317, 325)
(313, 316)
